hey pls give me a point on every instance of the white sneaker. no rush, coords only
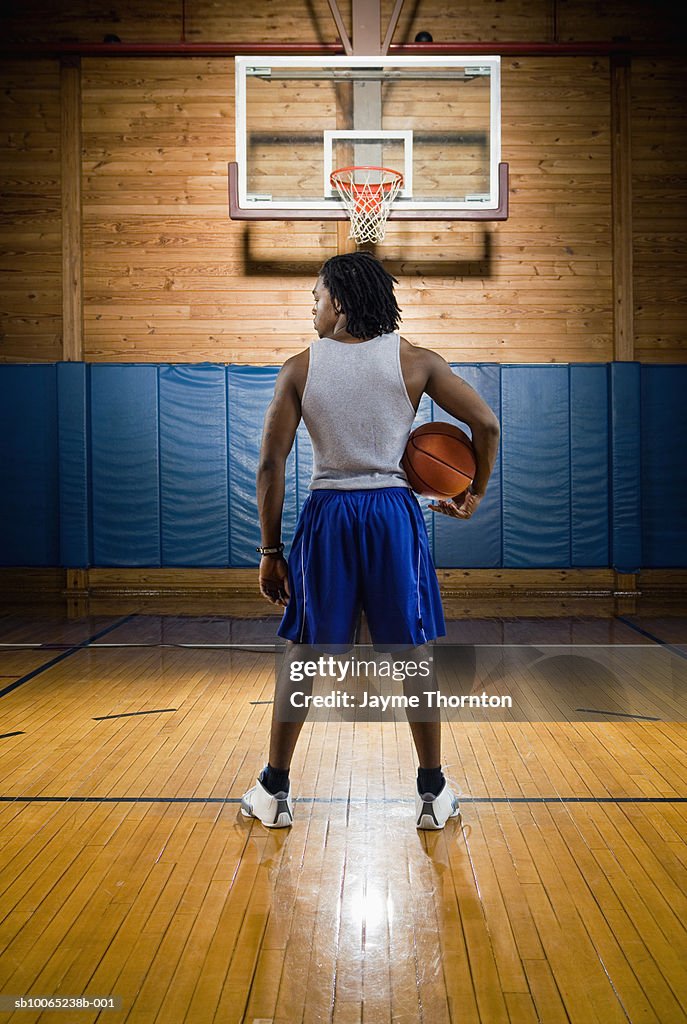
(432, 812)
(273, 810)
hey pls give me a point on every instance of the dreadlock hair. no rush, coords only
(364, 291)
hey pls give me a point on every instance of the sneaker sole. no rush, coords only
(426, 823)
(283, 820)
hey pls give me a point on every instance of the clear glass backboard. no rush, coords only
(437, 120)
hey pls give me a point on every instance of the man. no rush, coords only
(361, 537)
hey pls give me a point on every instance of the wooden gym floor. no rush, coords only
(128, 871)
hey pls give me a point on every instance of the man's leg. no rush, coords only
(403, 606)
(287, 720)
(323, 568)
(424, 719)
(435, 802)
(269, 799)
(427, 740)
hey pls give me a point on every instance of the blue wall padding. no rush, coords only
(125, 465)
(664, 465)
(146, 465)
(536, 466)
(626, 531)
(474, 543)
(249, 392)
(589, 464)
(72, 432)
(29, 499)
(194, 488)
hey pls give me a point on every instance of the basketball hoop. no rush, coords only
(367, 194)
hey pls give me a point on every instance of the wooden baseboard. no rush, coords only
(668, 582)
(32, 586)
(22, 586)
(527, 582)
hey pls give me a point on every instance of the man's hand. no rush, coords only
(462, 506)
(274, 579)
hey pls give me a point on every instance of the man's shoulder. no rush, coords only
(295, 363)
(295, 370)
(418, 356)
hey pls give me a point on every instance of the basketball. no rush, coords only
(439, 460)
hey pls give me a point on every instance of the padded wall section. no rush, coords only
(125, 465)
(144, 465)
(536, 466)
(194, 491)
(75, 518)
(626, 426)
(249, 392)
(29, 509)
(589, 464)
(664, 466)
(474, 543)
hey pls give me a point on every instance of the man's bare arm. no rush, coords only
(458, 399)
(279, 431)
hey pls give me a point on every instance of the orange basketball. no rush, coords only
(439, 460)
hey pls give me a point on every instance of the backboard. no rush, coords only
(435, 119)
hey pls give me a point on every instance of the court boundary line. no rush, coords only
(348, 800)
(65, 654)
(673, 648)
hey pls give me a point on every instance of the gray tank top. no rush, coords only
(357, 411)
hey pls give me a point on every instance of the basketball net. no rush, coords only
(367, 194)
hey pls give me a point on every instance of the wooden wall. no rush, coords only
(310, 20)
(30, 212)
(168, 277)
(659, 212)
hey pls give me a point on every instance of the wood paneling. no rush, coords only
(72, 255)
(30, 218)
(535, 288)
(471, 20)
(466, 593)
(310, 20)
(622, 19)
(659, 212)
(48, 20)
(621, 185)
(168, 277)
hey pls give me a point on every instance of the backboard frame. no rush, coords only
(242, 206)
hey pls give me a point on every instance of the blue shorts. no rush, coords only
(362, 549)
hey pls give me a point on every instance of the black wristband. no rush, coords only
(275, 550)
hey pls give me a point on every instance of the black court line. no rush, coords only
(261, 702)
(652, 636)
(130, 714)
(618, 714)
(344, 800)
(254, 648)
(67, 654)
(4, 735)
